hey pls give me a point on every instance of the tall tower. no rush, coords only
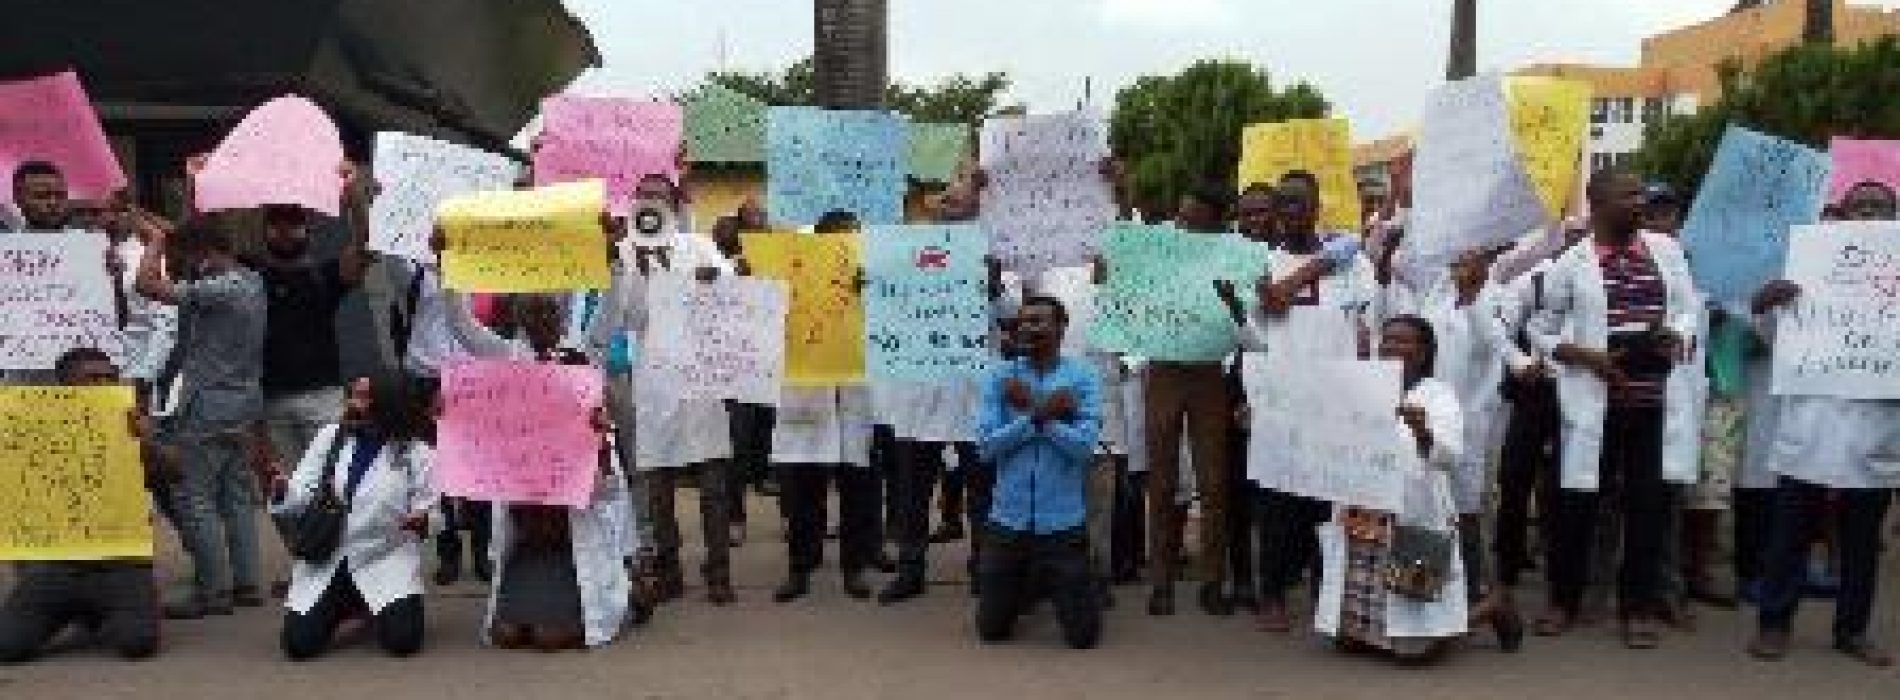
(850, 66)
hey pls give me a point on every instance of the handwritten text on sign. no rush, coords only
(1737, 231)
(824, 329)
(1470, 191)
(1047, 202)
(71, 485)
(540, 240)
(416, 174)
(55, 295)
(50, 119)
(615, 140)
(1160, 300)
(1327, 429)
(719, 340)
(1842, 336)
(926, 310)
(823, 160)
(519, 432)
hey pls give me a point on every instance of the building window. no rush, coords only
(1599, 111)
(1655, 109)
(1623, 110)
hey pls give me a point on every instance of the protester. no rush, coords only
(375, 464)
(216, 417)
(1829, 450)
(116, 600)
(1311, 304)
(302, 376)
(1370, 615)
(1041, 419)
(673, 436)
(1618, 316)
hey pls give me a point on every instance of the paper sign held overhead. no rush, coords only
(416, 174)
(618, 141)
(1736, 235)
(50, 118)
(823, 160)
(1856, 161)
(1047, 202)
(1322, 147)
(286, 151)
(541, 240)
(1841, 337)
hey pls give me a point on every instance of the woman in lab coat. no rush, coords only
(1356, 607)
(377, 463)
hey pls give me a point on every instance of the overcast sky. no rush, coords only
(1375, 59)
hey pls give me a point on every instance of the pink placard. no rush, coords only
(1857, 161)
(50, 119)
(519, 432)
(611, 139)
(284, 152)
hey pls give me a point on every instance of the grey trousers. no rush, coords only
(217, 504)
(293, 421)
(621, 411)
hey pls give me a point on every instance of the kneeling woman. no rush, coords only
(1394, 583)
(376, 465)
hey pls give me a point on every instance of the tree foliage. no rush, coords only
(960, 98)
(1808, 93)
(1175, 132)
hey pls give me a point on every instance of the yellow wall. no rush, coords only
(1684, 61)
(719, 193)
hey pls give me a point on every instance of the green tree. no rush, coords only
(1809, 93)
(960, 98)
(1174, 132)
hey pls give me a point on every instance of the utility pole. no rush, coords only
(849, 60)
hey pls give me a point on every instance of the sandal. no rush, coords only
(1865, 651)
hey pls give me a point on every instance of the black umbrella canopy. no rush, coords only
(470, 70)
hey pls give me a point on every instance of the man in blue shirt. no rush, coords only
(1040, 420)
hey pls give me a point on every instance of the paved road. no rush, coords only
(834, 648)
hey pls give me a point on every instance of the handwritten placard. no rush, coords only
(1327, 429)
(71, 484)
(1737, 231)
(1322, 147)
(55, 295)
(821, 160)
(926, 309)
(724, 125)
(416, 175)
(1047, 202)
(719, 340)
(49, 118)
(618, 141)
(1160, 301)
(1857, 161)
(286, 151)
(937, 150)
(824, 328)
(1842, 336)
(519, 432)
(1469, 189)
(540, 240)
(1549, 118)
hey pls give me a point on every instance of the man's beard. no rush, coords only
(287, 252)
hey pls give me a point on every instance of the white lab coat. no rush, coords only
(385, 561)
(1471, 351)
(602, 538)
(1575, 310)
(823, 426)
(1823, 440)
(670, 431)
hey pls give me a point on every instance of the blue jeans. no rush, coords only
(217, 504)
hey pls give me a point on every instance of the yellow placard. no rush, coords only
(824, 328)
(1548, 119)
(71, 483)
(1322, 147)
(546, 239)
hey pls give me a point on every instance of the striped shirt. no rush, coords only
(1636, 296)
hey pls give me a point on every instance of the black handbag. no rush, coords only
(314, 532)
(1418, 563)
